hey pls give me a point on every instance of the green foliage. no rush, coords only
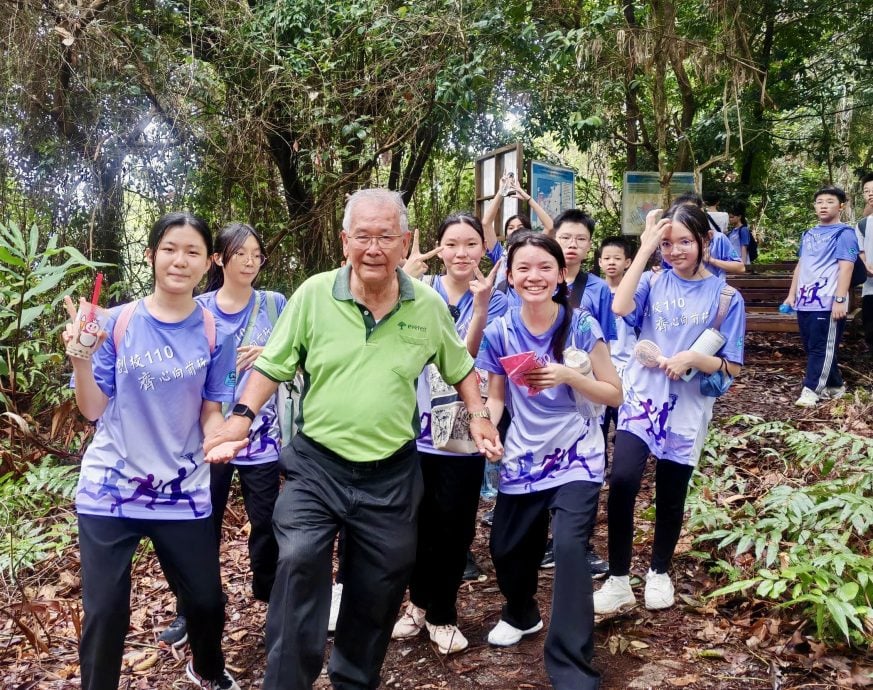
(33, 279)
(807, 533)
(33, 529)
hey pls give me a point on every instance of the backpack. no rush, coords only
(753, 247)
(859, 270)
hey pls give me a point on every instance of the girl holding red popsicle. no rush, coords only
(554, 456)
(154, 386)
(664, 412)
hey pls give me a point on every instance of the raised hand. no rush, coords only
(656, 226)
(482, 287)
(416, 263)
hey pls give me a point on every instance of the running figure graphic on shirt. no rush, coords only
(177, 495)
(108, 485)
(813, 295)
(262, 435)
(147, 487)
(653, 415)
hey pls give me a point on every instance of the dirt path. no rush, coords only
(694, 645)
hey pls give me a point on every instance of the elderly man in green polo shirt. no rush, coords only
(362, 334)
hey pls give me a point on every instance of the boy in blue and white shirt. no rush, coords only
(820, 294)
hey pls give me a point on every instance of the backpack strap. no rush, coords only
(724, 302)
(578, 289)
(862, 226)
(250, 324)
(127, 311)
(122, 321)
(272, 309)
(712, 222)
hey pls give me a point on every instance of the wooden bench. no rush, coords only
(763, 294)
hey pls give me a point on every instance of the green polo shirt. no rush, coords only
(359, 400)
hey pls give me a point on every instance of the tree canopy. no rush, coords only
(270, 112)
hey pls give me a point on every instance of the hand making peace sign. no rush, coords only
(482, 287)
(416, 264)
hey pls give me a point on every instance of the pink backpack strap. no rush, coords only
(209, 327)
(121, 322)
(126, 314)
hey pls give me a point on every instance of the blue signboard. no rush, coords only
(553, 188)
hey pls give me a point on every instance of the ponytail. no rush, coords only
(559, 337)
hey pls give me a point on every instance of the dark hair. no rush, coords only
(525, 222)
(711, 198)
(693, 218)
(620, 242)
(177, 219)
(547, 244)
(228, 242)
(460, 219)
(689, 199)
(573, 215)
(831, 190)
(739, 209)
(866, 178)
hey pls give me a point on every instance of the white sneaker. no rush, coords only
(336, 598)
(505, 635)
(808, 398)
(447, 638)
(834, 392)
(409, 624)
(615, 595)
(659, 591)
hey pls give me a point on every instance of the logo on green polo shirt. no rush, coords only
(412, 327)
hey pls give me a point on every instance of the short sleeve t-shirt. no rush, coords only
(671, 417)
(265, 435)
(821, 250)
(146, 458)
(721, 248)
(739, 238)
(548, 443)
(496, 307)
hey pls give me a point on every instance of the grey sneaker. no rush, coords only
(833, 392)
(176, 633)
(808, 398)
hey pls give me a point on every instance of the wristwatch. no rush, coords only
(241, 410)
(840, 300)
(484, 413)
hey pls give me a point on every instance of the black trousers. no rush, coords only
(671, 486)
(867, 318)
(446, 527)
(189, 556)
(260, 487)
(821, 336)
(376, 504)
(518, 542)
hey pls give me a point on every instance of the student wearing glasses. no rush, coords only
(248, 315)
(447, 518)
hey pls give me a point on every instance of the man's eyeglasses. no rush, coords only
(384, 241)
(245, 257)
(455, 311)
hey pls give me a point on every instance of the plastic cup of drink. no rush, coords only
(90, 320)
